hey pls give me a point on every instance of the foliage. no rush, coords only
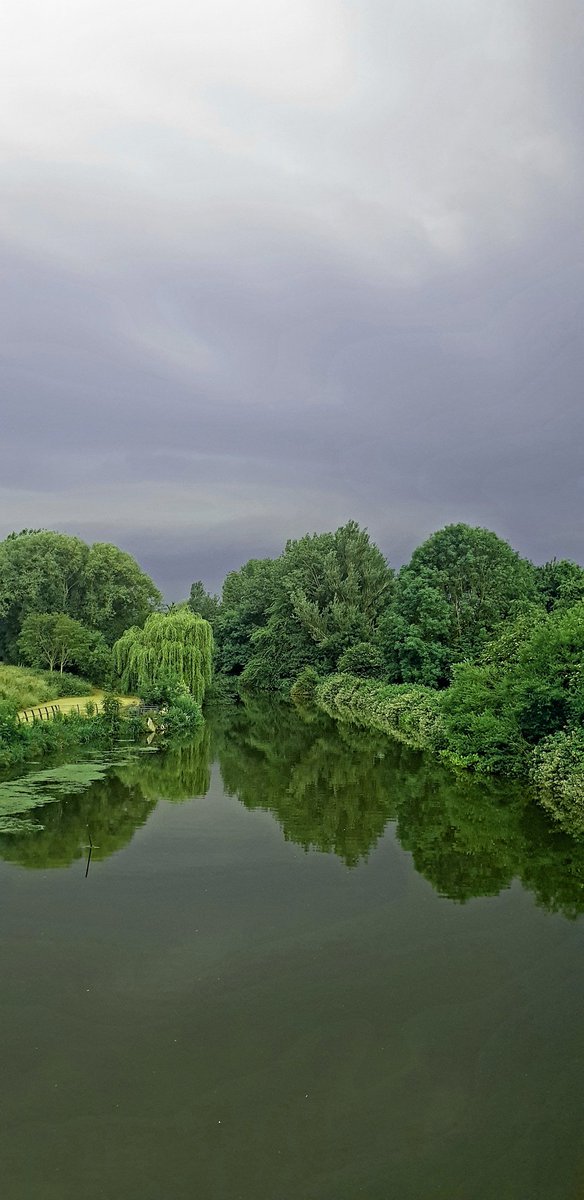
(549, 679)
(116, 593)
(42, 571)
(507, 647)
(55, 641)
(163, 689)
(414, 633)
(65, 684)
(409, 712)
(245, 602)
(110, 716)
(480, 720)
(304, 687)
(328, 591)
(362, 659)
(182, 717)
(179, 644)
(39, 572)
(560, 583)
(203, 603)
(25, 688)
(20, 742)
(450, 600)
(558, 774)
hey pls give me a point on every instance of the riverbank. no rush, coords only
(21, 742)
(421, 718)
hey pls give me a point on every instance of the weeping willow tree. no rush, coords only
(177, 645)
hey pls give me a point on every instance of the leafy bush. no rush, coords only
(65, 732)
(304, 688)
(163, 690)
(479, 712)
(183, 716)
(558, 774)
(67, 685)
(409, 712)
(363, 659)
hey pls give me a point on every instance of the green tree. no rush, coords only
(560, 583)
(245, 604)
(203, 603)
(178, 643)
(54, 640)
(116, 593)
(42, 571)
(363, 659)
(549, 678)
(329, 591)
(450, 600)
(414, 633)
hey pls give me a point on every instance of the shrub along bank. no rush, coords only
(425, 719)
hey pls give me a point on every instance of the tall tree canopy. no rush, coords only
(560, 583)
(245, 604)
(177, 645)
(116, 591)
(449, 601)
(203, 602)
(328, 592)
(42, 571)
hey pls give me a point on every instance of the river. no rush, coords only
(302, 963)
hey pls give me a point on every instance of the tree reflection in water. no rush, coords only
(332, 788)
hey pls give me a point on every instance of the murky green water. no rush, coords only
(318, 969)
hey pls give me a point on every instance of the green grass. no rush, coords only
(26, 687)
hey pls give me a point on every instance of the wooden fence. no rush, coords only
(44, 712)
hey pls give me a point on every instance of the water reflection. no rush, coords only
(334, 788)
(110, 809)
(180, 773)
(328, 786)
(331, 788)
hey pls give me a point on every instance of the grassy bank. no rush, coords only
(105, 720)
(20, 743)
(26, 688)
(88, 704)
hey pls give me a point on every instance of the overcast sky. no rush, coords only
(268, 265)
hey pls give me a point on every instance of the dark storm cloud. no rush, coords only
(250, 294)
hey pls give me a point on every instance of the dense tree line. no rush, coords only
(469, 650)
(71, 610)
(63, 603)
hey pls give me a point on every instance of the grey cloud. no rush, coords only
(242, 309)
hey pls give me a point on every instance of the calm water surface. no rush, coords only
(304, 965)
